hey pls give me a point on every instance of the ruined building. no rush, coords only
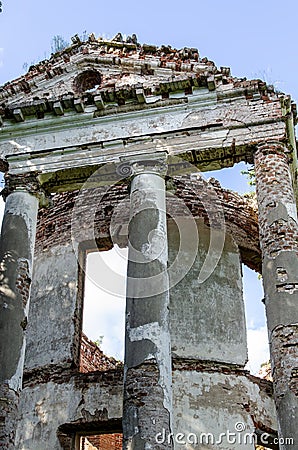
(103, 145)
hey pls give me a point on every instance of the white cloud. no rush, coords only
(107, 271)
(104, 313)
(104, 316)
(258, 348)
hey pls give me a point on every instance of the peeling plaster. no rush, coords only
(156, 334)
(15, 383)
(292, 211)
(22, 204)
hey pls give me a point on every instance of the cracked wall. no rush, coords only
(58, 399)
(90, 108)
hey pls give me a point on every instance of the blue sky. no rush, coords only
(253, 38)
(257, 39)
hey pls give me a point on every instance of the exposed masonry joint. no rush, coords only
(279, 250)
(285, 331)
(23, 280)
(63, 374)
(281, 274)
(294, 324)
(288, 288)
(268, 147)
(158, 336)
(201, 365)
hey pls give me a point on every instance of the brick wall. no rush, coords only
(107, 441)
(93, 359)
(109, 210)
(274, 187)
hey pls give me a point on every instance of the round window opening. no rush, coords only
(88, 80)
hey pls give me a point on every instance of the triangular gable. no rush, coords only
(114, 73)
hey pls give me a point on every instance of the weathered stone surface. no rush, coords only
(16, 261)
(73, 121)
(81, 404)
(278, 238)
(54, 295)
(208, 404)
(215, 329)
(147, 372)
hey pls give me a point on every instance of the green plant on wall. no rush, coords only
(98, 341)
(58, 43)
(251, 176)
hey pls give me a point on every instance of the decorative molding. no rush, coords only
(145, 163)
(25, 182)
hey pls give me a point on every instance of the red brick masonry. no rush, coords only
(93, 359)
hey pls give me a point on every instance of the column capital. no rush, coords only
(277, 146)
(140, 164)
(24, 183)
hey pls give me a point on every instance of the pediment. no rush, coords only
(98, 100)
(109, 74)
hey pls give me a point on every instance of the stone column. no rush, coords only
(279, 244)
(16, 258)
(147, 374)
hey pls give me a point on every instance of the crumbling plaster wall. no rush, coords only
(208, 400)
(55, 296)
(208, 319)
(81, 401)
(55, 393)
(165, 100)
(205, 399)
(51, 324)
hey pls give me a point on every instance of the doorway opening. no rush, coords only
(111, 441)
